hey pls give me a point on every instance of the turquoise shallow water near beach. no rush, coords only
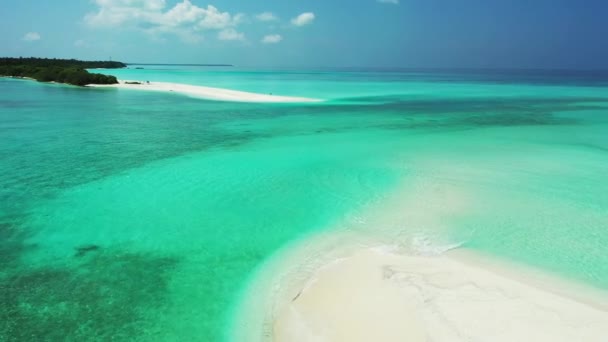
(142, 215)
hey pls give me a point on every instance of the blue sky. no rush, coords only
(314, 33)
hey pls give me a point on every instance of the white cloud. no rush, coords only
(230, 34)
(80, 43)
(303, 19)
(185, 19)
(32, 36)
(392, 2)
(272, 39)
(266, 16)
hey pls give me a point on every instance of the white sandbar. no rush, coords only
(337, 287)
(209, 93)
(380, 296)
(352, 284)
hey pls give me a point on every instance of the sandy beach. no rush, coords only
(364, 293)
(380, 296)
(210, 93)
(353, 284)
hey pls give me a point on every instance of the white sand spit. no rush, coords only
(209, 93)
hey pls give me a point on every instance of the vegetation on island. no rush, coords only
(69, 71)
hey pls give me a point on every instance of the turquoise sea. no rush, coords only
(141, 216)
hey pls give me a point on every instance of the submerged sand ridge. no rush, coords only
(209, 93)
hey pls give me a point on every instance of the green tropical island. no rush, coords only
(68, 71)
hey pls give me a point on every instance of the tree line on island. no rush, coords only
(69, 71)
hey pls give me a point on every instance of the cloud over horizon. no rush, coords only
(185, 19)
(32, 36)
(391, 2)
(303, 19)
(230, 34)
(272, 39)
(266, 16)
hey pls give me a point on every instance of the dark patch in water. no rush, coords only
(592, 147)
(13, 104)
(446, 114)
(84, 250)
(465, 103)
(9, 249)
(416, 107)
(109, 297)
(596, 147)
(515, 119)
(12, 246)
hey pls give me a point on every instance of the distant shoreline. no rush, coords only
(67, 71)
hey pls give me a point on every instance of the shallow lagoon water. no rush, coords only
(142, 216)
